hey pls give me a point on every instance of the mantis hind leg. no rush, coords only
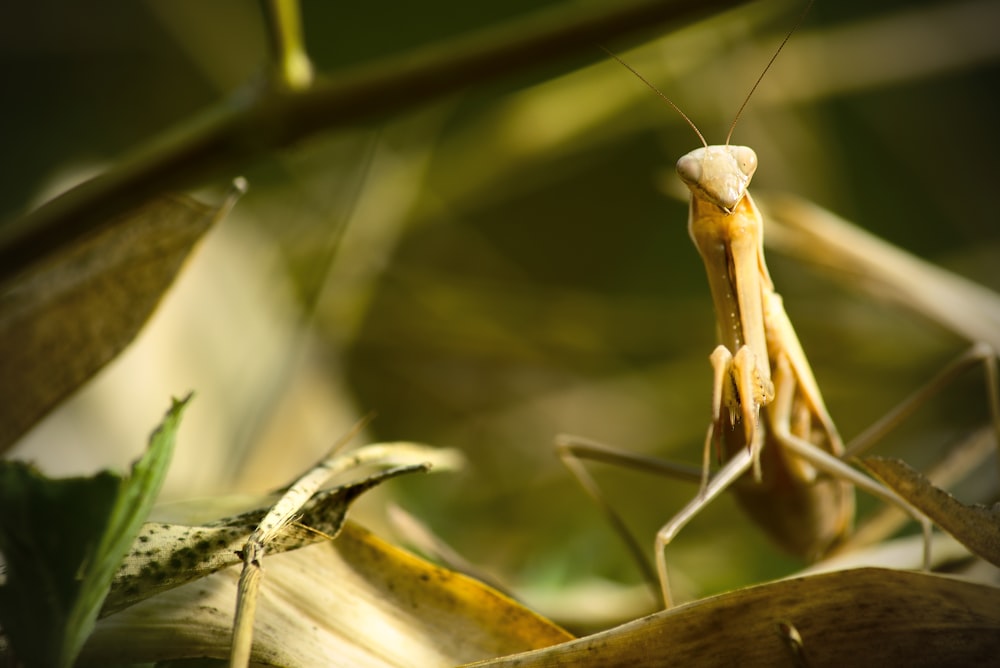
(573, 450)
(740, 463)
(830, 464)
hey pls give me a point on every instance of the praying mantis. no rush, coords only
(784, 458)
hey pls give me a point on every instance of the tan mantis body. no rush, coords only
(758, 357)
(768, 415)
(767, 411)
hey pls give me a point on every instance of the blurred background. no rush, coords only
(512, 262)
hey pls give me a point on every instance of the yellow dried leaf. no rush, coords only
(864, 617)
(356, 601)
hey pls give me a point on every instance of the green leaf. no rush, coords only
(62, 541)
(48, 530)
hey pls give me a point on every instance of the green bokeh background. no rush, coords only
(527, 274)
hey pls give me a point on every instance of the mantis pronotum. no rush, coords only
(768, 415)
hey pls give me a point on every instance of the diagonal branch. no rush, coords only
(256, 120)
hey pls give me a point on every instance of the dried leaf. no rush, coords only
(356, 601)
(64, 319)
(976, 527)
(864, 617)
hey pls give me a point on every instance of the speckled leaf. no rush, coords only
(165, 556)
(290, 505)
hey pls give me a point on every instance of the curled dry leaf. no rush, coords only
(165, 556)
(63, 319)
(290, 505)
(864, 617)
(976, 527)
(356, 601)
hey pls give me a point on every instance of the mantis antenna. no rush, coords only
(659, 92)
(739, 112)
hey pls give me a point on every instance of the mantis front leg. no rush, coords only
(835, 516)
(739, 389)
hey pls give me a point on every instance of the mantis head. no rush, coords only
(719, 174)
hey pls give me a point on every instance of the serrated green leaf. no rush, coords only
(48, 530)
(63, 540)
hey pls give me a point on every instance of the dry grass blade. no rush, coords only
(865, 617)
(976, 527)
(808, 231)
